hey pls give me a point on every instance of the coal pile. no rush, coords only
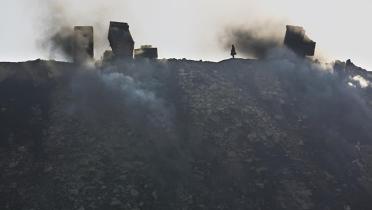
(278, 133)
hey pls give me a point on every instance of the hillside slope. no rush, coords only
(280, 133)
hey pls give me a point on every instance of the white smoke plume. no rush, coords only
(361, 81)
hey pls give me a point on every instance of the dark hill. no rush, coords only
(280, 133)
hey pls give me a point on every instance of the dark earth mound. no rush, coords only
(280, 133)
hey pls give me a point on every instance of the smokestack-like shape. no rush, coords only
(121, 41)
(296, 40)
(83, 44)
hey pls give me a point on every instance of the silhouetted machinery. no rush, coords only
(121, 41)
(296, 40)
(83, 46)
(146, 51)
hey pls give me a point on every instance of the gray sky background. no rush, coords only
(187, 28)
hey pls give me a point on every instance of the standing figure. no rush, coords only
(233, 51)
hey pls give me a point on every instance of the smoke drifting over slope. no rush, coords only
(184, 134)
(57, 19)
(281, 132)
(130, 93)
(254, 40)
(61, 43)
(57, 31)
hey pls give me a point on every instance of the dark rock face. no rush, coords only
(296, 40)
(239, 134)
(83, 44)
(121, 40)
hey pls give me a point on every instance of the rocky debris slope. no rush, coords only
(279, 133)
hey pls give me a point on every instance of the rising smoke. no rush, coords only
(57, 19)
(254, 40)
(117, 132)
(57, 31)
(361, 81)
(119, 126)
(61, 43)
(128, 102)
(317, 92)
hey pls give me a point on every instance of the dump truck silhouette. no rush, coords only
(296, 40)
(146, 51)
(83, 46)
(121, 41)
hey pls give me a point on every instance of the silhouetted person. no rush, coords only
(233, 51)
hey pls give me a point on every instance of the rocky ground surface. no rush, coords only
(279, 133)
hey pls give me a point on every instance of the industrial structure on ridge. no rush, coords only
(121, 40)
(122, 44)
(296, 40)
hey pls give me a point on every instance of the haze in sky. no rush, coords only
(187, 28)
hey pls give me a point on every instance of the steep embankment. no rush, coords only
(281, 133)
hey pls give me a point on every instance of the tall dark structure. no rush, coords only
(83, 46)
(296, 40)
(121, 41)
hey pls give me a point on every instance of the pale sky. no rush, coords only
(188, 28)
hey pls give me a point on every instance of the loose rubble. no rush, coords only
(178, 134)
